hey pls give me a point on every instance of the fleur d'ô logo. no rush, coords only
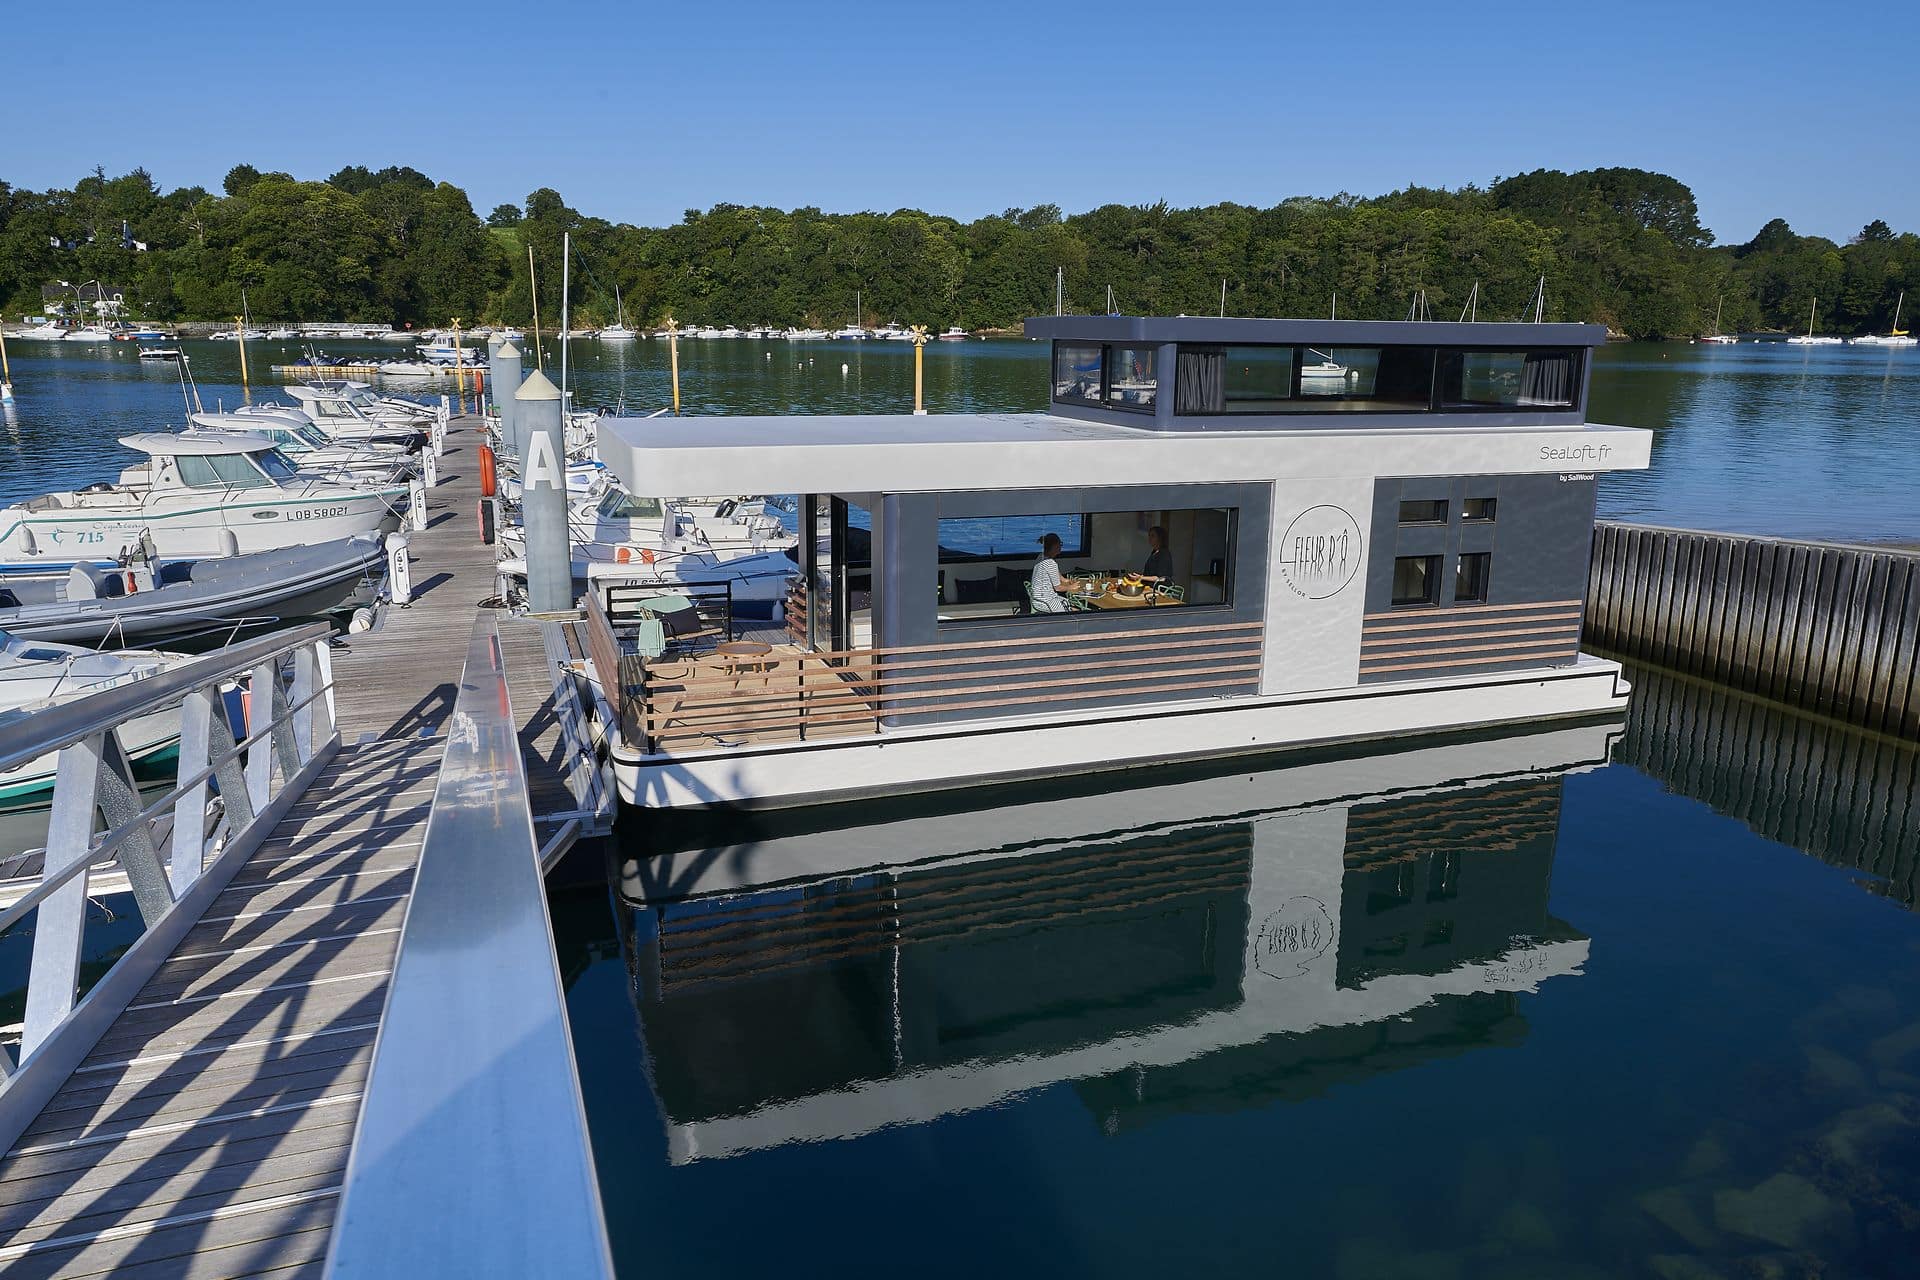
(1321, 553)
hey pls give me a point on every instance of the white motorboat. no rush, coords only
(954, 334)
(852, 331)
(1897, 337)
(359, 463)
(159, 353)
(37, 674)
(394, 335)
(282, 335)
(348, 406)
(1719, 339)
(806, 335)
(91, 333)
(149, 333)
(1808, 339)
(40, 333)
(893, 333)
(204, 494)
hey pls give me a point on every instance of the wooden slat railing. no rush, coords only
(712, 701)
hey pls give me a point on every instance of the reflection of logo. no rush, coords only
(1293, 937)
(1321, 553)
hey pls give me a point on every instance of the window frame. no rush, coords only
(1484, 561)
(1300, 402)
(1103, 399)
(1441, 506)
(1492, 503)
(1435, 564)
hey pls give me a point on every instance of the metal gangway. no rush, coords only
(337, 1043)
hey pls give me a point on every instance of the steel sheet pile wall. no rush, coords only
(1830, 628)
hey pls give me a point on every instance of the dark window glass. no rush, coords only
(1414, 580)
(1477, 509)
(1365, 380)
(1076, 372)
(1470, 580)
(1424, 511)
(1508, 379)
(1131, 383)
(964, 538)
(1257, 379)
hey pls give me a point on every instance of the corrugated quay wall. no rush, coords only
(1830, 628)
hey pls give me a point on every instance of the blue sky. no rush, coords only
(637, 111)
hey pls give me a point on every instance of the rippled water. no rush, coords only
(1805, 442)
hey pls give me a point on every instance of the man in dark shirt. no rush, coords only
(1159, 566)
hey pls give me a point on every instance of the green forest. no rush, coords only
(1622, 247)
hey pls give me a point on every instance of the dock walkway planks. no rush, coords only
(207, 1133)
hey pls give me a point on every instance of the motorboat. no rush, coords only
(893, 333)
(1896, 337)
(282, 335)
(37, 674)
(852, 332)
(1719, 339)
(356, 462)
(40, 333)
(91, 333)
(349, 427)
(155, 601)
(613, 533)
(394, 335)
(159, 353)
(954, 334)
(148, 333)
(806, 335)
(448, 352)
(428, 369)
(201, 494)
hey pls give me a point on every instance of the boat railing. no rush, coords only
(705, 701)
(176, 851)
(472, 1155)
(627, 602)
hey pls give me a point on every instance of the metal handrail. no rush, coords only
(471, 1156)
(52, 728)
(112, 840)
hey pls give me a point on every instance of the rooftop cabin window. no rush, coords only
(1107, 376)
(1385, 379)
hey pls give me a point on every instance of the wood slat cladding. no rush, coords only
(1466, 639)
(1848, 798)
(1504, 816)
(1828, 628)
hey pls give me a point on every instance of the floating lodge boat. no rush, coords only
(1399, 550)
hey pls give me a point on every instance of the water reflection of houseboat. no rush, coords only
(1296, 927)
(1253, 555)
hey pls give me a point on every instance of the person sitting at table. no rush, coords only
(1159, 565)
(1044, 586)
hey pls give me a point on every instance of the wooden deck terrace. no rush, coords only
(208, 1131)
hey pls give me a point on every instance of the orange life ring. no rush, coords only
(488, 478)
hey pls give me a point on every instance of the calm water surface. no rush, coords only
(1489, 1008)
(1805, 442)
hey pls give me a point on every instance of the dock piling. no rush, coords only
(506, 389)
(543, 501)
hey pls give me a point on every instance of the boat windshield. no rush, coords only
(277, 465)
(220, 471)
(621, 505)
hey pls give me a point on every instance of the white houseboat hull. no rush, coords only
(987, 751)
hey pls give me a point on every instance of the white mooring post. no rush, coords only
(399, 576)
(543, 502)
(506, 399)
(417, 503)
(430, 467)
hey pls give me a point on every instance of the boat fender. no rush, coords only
(133, 584)
(362, 621)
(229, 544)
(486, 522)
(489, 477)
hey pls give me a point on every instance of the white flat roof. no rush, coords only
(899, 453)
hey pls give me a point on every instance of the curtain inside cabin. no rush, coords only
(1547, 378)
(1201, 383)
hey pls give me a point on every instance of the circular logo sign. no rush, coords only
(1321, 553)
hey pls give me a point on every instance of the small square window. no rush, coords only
(1477, 509)
(1415, 579)
(1424, 511)
(1470, 579)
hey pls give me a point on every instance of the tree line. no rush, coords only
(1622, 247)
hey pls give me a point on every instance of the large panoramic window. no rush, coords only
(1107, 562)
(1365, 379)
(1508, 379)
(1077, 372)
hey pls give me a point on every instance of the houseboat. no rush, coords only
(1204, 547)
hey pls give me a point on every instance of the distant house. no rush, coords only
(102, 299)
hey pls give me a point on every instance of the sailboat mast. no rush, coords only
(1811, 312)
(1898, 303)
